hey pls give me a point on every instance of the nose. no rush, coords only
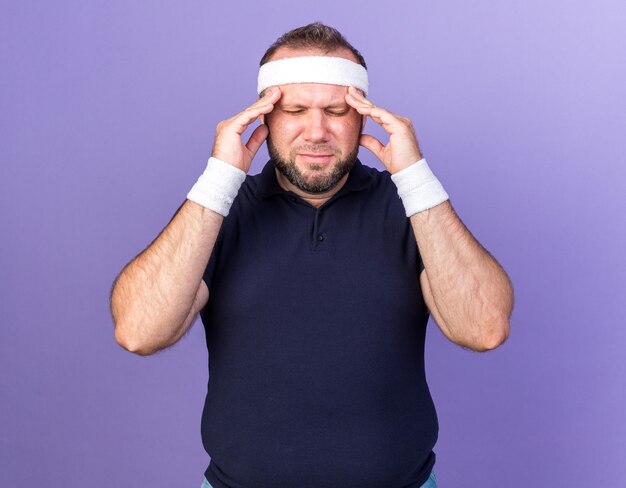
(316, 127)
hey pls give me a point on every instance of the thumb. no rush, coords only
(373, 144)
(257, 138)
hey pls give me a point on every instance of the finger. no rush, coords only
(358, 95)
(373, 144)
(242, 120)
(260, 103)
(389, 121)
(257, 138)
(358, 101)
(360, 106)
(356, 92)
(381, 116)
(272, 94)
(271, 91)
(263, 105)
(270, 97)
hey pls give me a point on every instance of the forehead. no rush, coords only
(312, 94)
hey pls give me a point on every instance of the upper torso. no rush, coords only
(315, 328)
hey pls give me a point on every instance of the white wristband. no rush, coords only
(418, 188)
(217, 187)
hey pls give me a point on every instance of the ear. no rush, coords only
(262, 118)
(363, 120)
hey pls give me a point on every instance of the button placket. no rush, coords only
(318, 237)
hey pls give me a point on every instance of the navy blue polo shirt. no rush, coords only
(315, 328)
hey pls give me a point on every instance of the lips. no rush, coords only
(316, 158)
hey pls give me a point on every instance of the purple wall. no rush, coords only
(107, 115)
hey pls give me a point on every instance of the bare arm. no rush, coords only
(153, 297)
(157, 295)
(468, 293)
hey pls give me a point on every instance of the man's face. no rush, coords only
(313, 135)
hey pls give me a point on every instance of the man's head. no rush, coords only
(313, 133)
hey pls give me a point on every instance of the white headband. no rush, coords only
(313, 69)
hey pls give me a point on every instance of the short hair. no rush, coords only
(315, 35)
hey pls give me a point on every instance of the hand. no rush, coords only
(228, 145)
(402, 150)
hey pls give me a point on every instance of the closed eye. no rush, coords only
(338, 112)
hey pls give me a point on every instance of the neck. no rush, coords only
(315, 199)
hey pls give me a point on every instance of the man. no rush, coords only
(320, 286)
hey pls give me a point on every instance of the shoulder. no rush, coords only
(250, 184)
(381, 186)
(378, 177)
(247, 193)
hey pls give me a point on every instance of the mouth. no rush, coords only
(316, 158)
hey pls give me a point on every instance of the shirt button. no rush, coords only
(320, 237)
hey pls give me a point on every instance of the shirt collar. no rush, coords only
(358, 179)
